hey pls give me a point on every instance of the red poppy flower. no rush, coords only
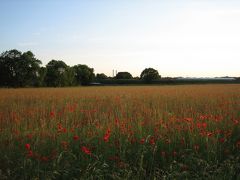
(236, 122)
(107, 136)
(209, 134)
(142, 141)
(222, 140)
(44, 159)
(64, 130)
(86, 150)
(76, 138)
(64, 145)
(204, 125)
(152, 141)
(30, 153)
(27, 146)
(29, 136)
(52, 114)
(182, 141)
(199, 125)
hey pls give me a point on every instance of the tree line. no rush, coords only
(19, 69)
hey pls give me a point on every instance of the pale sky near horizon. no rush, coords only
(189, 38)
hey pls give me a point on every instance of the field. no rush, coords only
(135, 132)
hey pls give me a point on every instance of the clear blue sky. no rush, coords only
(178, 38)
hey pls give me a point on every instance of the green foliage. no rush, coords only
(23, 69)
(101, 76)
(123, 75)
(19, 69)
(149, 74)
(58, 74)
(42, 74)
(83, 74)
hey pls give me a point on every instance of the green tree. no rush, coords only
(83, 74)
(70, 75)
(101, 76)
(123, 75)
(41, 77)
(56, 74)
(28, 70)
(19, 70)
(149, 74)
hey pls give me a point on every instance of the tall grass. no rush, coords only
(162, 132)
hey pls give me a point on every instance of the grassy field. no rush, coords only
(145, 132)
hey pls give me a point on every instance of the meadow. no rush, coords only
(120, 132)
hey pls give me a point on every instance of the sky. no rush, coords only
(188, 38)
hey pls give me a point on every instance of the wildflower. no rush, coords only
(29, 136)
(30, 153)
(204, 125)
(222, 140)
(152, 141)
(44, 159)
(64, 130)
(52, 114)
(76, 138)
(209, 134)
(16, 132)
(142, 141)
(107, 136)
(61, 129)
(117, 122)
(189, 119)
(199, 125)
(72, 130)
(236, 122)
(132, 140)
(27, 146)
(86, 150)
(64, 145)
(203, 117)
(182, 141)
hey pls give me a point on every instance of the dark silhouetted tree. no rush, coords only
(149, 74)
(57, 74)
(101, 76)
(41, 78)
(123, 75)
(83, 74)
(19, 70)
